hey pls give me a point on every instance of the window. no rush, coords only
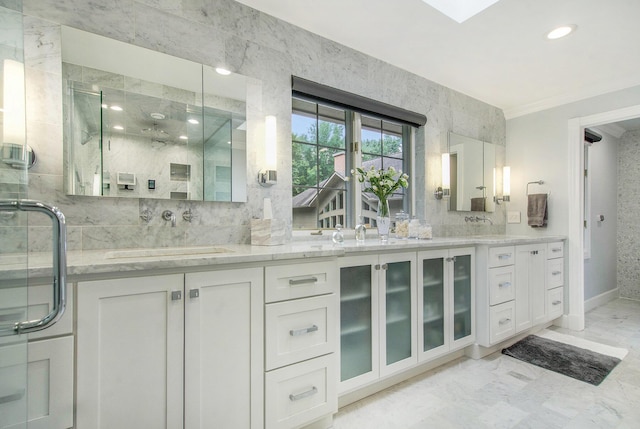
(322, 138)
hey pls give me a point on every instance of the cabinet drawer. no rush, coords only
(40, 303)
(300, 393)
(300, 280)
(555, 302)
(555, 273)
(555, 250)
(501, 284)
(501, 256)
(502, 322)
(300, 329)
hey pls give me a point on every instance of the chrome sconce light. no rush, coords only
(268, 176)
(444, 190)
(506, 185)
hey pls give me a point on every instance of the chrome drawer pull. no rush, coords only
(298, 332)
(555, 273)
(557, 302)
(504, 321)
(12, 316)
(12, 397)
(504, 284)
(295, 282)
(504, 256)
(303, 395)
(556, 249)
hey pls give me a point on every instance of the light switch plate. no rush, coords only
(513, 217)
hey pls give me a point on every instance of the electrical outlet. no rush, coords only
(513, 217)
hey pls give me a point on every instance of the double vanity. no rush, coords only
(276, 336)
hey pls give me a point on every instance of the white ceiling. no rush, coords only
(499, 56)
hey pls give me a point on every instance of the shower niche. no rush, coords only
(167, 124)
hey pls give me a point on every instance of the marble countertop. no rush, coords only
(88, 264)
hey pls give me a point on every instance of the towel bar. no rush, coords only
(538, 182)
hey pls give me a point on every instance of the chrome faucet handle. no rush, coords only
(188, 215)
(146, 215)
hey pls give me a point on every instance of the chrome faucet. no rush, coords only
(477, 219)
(168, 215)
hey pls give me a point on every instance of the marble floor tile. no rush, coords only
(502, 392)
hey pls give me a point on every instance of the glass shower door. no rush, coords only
(13, 224)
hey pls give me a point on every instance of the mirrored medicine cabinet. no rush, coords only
(139, 123)
(472, 164)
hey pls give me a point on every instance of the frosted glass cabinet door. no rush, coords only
(433, 303)
(398, 311)
(356, 321)
(463, 298)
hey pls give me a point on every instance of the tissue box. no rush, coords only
(267, 232)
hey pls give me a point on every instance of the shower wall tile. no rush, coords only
(628, 240)
(269, 51)
(42, 44)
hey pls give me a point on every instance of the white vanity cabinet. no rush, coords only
(49, 394)
(378, 317)
(531, 300)
(148, 345)
(555, 280)
(446, 298)
(520, 287)
(301, 333)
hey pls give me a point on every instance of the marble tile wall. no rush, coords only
(217, 32)
(628, 241)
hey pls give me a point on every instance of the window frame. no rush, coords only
(352, 194)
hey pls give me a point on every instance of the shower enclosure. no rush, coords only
(126, 137)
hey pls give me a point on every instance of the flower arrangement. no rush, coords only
(382, 183)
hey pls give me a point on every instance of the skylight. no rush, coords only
(460, 10)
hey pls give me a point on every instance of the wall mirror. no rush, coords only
(471, 167)
(139, 123)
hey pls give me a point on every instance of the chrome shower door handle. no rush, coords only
(59, 262)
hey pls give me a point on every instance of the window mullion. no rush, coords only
(356, 162)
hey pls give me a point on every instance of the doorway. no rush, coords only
(574, 317)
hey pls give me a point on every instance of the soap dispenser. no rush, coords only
(338, 237)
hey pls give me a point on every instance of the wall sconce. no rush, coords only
(14, 151)
(506, 185)
(444, 190)
(269, 176)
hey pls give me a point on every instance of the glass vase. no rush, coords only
(383, 219)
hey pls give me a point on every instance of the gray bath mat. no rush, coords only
(581, 364)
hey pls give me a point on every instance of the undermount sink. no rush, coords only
(165, 251)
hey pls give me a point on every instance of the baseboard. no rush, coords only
(601, 299)
(375, 387)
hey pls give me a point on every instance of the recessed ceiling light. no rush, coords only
(222, 71)
(561, 31)
(193, 121)
(116, 108)
(104, 106)
(118, 127)
(184, 138)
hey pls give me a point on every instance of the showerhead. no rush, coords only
(156, 134)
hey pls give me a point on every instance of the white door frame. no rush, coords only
(574, 318)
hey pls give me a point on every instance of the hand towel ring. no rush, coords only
(538, 182)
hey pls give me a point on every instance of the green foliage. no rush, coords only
(311, 161)
(390, 145)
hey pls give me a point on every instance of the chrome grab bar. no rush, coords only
(59, 262)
